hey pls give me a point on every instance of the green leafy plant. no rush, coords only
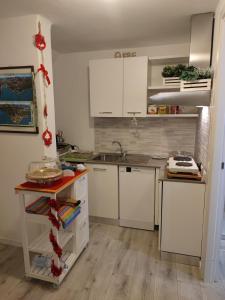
(168, 71)
(192, 73)
(178, 69)
(187, 73)
(205, 74)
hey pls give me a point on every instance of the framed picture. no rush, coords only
(18, 106)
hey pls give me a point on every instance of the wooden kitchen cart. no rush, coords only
(72, 240)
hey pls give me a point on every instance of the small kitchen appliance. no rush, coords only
(182, 164)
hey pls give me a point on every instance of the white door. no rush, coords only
(182, 217)
(103, 191)
(106, 87)
(135, 86)
(137, 191)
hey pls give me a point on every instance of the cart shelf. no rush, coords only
(45, 273)
(42, 244)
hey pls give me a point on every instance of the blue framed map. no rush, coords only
(18, 109)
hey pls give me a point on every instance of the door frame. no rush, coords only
(215, 181)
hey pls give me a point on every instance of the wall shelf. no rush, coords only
(174, 116)
(163, 87)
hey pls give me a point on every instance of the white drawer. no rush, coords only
(84, 207)
(82, 233)
(81, 187)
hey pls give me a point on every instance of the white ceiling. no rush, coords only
(80, 25)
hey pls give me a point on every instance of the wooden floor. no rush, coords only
(119, 264)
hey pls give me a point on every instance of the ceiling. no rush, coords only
(83, 25)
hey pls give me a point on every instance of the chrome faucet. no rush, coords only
(122, 152)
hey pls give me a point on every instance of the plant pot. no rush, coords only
(196, 85)
(171, 81)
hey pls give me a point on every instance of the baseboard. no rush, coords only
(104, 220)
(10, 242)
(180, 258)
(137, 224)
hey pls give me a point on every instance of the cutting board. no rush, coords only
(185, 176)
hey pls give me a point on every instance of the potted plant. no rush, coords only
(193, 78)
(171, 74)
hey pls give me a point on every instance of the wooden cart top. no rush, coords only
(56, 187)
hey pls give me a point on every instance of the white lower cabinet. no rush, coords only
(182, 217)
(103, 191)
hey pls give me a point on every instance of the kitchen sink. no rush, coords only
(109, 157)
(116, 157)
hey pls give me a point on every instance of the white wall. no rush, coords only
(16, 149)
(72, 90)
(214, 200)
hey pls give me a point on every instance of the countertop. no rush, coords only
(136, 160)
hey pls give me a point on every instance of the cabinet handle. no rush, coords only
(105, 112)
(134, 112)
(136, 170)
(99, 169)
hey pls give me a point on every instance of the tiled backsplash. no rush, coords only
(151, 136)
(202, 137)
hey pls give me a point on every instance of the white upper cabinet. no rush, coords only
(118, 87)
(106, 87)
(135, 86)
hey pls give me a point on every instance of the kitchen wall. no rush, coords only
(149, 136)
(18, 149)
(71, 85)
(202, 137)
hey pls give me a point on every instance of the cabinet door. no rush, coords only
(135, 86)
(182, 217)
(106, 87)
(137, 197)
(103, 191)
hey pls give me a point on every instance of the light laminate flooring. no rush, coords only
(118, 264)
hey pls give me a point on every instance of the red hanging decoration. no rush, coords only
(40, 41)
(47, 137)
(56, 271)
(45, 73)
(45, 111)
(52, 218)
(53, 204)
(57, 249)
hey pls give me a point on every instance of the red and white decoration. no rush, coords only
(40, 44)
(54, 219)
(56, 268)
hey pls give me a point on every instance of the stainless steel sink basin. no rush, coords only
(109, 157)
(117, 158)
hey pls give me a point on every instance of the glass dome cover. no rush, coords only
(44, 171)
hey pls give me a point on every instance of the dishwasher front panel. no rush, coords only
(137, 197)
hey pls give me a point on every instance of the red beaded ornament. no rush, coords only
(47, 137)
